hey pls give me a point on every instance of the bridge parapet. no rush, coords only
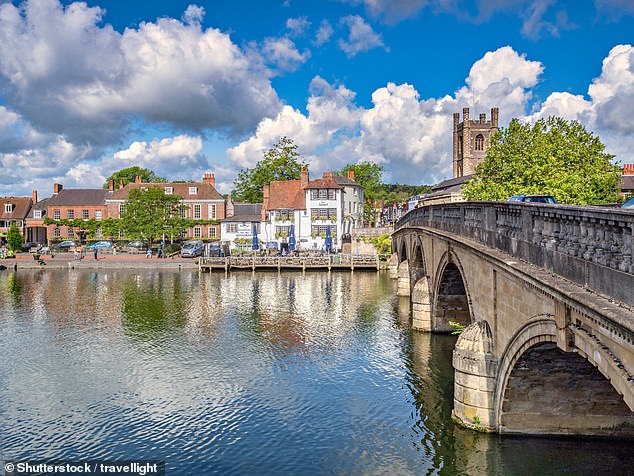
(590, 246)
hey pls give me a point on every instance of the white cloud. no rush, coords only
(324, 32)
(361, 36)
(283, 53)
(67, 74)
(297, 26)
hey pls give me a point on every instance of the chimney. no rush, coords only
(137, 179)
(229, 209)
(57, 187)
(34, 197)
(111, 185)
(351, 174)
(628, 169)
(494, 116)
(120, 184)
(209, 179)
(327, 174)
(265, 201)
(303, 177)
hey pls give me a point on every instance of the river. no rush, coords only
(291, 373)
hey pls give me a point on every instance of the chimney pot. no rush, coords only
(137, 179)
(34, 197)
(57, 187)
(111, 185)
(351, 174)
(209, 179)
(120, 184)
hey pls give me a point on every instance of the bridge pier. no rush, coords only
(476, 370)
(392, 269)
(403, 286)
(421, 306)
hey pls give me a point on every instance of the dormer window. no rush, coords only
(193, 190)
(169, 190)
(8, 208)
(37, 213)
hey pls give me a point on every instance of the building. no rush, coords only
(325, 207)
(36, 230)
(73, 204)
(200, 199)
(236, 231)
(353, 200)
(626, 186)
(14, 210)
(471, 140)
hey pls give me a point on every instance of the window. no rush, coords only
(321, 230)
(282, 229)
(8, 207)
(169, 190)
(56, 232)
(56, 215)
(37, 213)
(284, 214)
(70, 232)
(212, 212)
(323, 213)
(212, 231)
(197, 213)
(183, 211)
(355, 192)
(70, 214)
(479, 142)
(232, 227)
(193, 190)
(121, 209)
(97, 214)
(84, 214)
(197, 232)
(322, 194)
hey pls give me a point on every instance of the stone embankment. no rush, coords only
(120, 261)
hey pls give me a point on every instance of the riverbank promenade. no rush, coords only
(118, 261)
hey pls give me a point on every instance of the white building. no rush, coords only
(236, 231)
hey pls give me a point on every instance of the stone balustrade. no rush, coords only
(591, 246)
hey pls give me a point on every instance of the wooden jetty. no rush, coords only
(339, 261)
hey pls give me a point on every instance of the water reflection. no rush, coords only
(302, 373)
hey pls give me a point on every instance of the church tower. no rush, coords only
(471, 140)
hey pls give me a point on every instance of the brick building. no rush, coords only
(14, 210)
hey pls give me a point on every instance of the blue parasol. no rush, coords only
(256, 243)
(328, 239)
(291, 238)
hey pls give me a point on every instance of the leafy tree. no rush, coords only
(281, 162)
(14, 238)
(150, 213)
(383, 244)
(553, 156)
(128, 175)
(369, 175)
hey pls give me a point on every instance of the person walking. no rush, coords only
(95, 251)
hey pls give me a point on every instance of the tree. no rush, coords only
(128, 175)
(14, 238)
(367, 174)
(150, 213)
(281, 162)
(553, 156)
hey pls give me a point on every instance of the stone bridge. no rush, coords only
(546, 293)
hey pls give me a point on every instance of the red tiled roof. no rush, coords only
(325, 182)
(20, 208)
(287, 194)
(205, 191)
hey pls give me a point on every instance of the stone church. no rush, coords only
(471, 140)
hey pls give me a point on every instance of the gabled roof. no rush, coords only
(245, 212)
(325, 182)
(41, 205)
(19, 209)
(286, 194)
(627, 182)
(205, 190)
(345, 181)
(453, 184)
(77, 197)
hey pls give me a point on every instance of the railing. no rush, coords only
(346, 261)
(591, 246)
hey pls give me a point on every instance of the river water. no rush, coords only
(267, 373)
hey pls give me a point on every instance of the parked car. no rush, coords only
(29, 245)
(629, 204)
(533, 198)
(191, 249)
(134, 247)
(216, 251)
(102, 245)
(64, 246)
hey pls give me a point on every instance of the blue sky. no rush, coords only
(182, 88)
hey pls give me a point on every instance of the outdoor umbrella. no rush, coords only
(256, 243)
(291, 238)
(328, 239)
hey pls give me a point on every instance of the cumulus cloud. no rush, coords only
(324, 32)
(283, 54)
(67, 73)
(297, 26)
(361, 36)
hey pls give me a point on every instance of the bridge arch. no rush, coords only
(451, 296)
(421, 294)
(543, 389)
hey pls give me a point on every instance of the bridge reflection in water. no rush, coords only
(545, 293)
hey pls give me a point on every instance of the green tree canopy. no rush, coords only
(128, 175)
(553, 156)
(367, 174)
(14, 238)
(281, 162)
(150, 213)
